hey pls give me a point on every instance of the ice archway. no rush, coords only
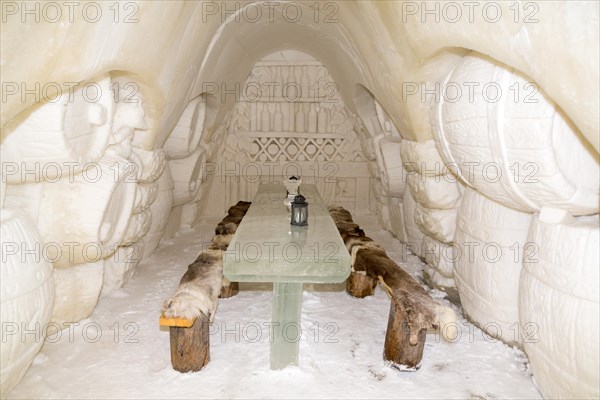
(382, 56)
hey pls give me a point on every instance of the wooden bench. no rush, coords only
(189, 334)
(412, 310)
(223, 235)
(190, 310)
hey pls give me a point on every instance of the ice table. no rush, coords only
(266, 248)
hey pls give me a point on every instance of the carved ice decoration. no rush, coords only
(307, 126)
(519, 150)
(186, 135)
(129, 116)
(559, 305)
(27, 294)
(84, 216)
(60, 136)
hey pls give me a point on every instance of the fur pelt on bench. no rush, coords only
(198, 288)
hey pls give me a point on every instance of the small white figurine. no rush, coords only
(291, 184)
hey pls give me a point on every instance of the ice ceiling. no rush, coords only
(185, 62)
(173, 50)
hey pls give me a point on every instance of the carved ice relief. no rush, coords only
(128, 117)
(185, 136)
(61, 135)
(291, 113)
(389, 128)
(300, 112)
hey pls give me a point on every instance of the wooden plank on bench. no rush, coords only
(412, 311)
(179, 322)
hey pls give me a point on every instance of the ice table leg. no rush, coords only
(287, 302)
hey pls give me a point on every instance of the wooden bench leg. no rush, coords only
(229, 291)
(360, 285)
(190, 347)
(398, 351)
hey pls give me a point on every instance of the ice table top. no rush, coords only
(267, 248)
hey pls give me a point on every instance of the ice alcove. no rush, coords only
(451, 147)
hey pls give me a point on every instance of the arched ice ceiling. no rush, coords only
(237, 46)
(175, 46)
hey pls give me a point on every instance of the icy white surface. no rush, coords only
(422, 158)
(492, 240)
(439, 224)
(413, 233)
(440, 256)
(345, 362)
(151, 164)
(77, 291)
(145, 194)
(186, 135)
(390, 165)
(82, 209)
(159, 210)
(396, 209)
(186, 174)
(138, 227)
(120, 267)
(558, 298)
(68, 132)
(27, 294)
(525, 154)
(440, 192)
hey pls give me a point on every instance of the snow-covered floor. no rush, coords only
(120, 351)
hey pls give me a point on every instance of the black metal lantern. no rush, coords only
(299, 211)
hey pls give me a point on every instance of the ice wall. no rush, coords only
(300, 127)
(148, 93)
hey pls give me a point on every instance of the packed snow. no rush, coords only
(121, 352)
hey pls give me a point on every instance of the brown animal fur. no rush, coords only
(220, 242)
(351, 240)
(198, 288)
(239, 208)
(225, 228)
(339, 214)
(349, 228)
